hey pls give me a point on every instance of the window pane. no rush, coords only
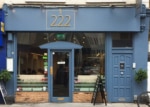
(32, 61)
(121, 40)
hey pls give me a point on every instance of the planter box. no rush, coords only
(9, 99)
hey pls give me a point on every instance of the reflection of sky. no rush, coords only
(148, 87)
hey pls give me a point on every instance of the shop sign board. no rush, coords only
(60, 19)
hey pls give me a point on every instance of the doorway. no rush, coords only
(61, 72)
(122, 78)
(60, 77)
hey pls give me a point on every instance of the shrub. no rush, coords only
(5, 75)
(140, 75)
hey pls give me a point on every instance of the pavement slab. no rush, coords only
(71, 105)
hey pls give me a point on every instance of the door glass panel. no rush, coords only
(61, 74)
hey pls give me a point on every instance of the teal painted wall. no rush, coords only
(81, 19)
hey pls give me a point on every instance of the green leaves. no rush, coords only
(5, 75)
(140, 75)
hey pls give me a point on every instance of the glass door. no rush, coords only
(60, 76)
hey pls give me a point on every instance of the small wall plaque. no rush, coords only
(121, 99)
(60, 98)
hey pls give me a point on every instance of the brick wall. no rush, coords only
(31, 97)
(85, 97)
(37, 97)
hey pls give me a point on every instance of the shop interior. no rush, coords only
(32, 61)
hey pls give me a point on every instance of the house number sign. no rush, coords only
(59, 19)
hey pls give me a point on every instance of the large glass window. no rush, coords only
(123, 39)
(90, 61)
(32, 61)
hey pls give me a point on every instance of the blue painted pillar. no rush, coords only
(140, 56)
(72, 70)
(108, 66)
(11, 53)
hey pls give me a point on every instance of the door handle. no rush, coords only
(121, 72)
(51, 70)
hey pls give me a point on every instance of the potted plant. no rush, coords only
(140, 75)
(5, 76)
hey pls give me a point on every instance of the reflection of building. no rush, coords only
(113, 32)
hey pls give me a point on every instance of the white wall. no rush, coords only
(146, 2)
(1, 3)
(68, 1)
(71, 1)
(128, 2)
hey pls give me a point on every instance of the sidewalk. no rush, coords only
(72, 105)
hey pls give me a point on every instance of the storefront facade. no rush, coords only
(86, 40)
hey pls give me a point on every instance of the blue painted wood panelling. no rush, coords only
(141, 56)
(2, 50)
(81, 19)
(122, 78)
(1, 15)
(11, 49)
(1, 27)
(108, 67)
(3, 55)
(1, 39)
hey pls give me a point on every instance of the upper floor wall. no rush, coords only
(147, 3)
(76, 2)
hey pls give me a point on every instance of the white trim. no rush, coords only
(45, 1)
(100, 1)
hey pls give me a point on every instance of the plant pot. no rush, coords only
(140, 75)
(9, 99)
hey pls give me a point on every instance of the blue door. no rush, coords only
(122, 78)
(60, 76)
(60, 70)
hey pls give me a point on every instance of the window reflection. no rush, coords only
(32, 61)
